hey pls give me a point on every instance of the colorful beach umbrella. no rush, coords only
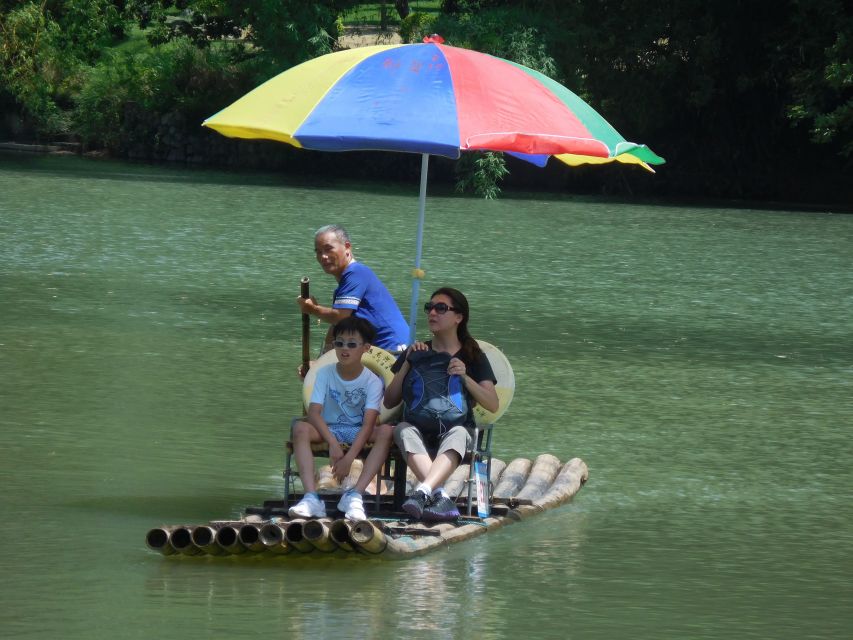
(431, 99)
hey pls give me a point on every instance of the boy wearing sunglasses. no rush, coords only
(343, 409)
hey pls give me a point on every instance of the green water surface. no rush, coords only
(700, 360)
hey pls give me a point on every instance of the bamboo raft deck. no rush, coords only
(522, 488)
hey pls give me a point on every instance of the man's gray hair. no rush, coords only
(340, 233)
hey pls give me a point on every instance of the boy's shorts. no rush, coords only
(344, 433)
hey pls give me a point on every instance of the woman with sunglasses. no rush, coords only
(447, 315)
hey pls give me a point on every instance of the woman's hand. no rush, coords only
(456, 367)
(417, 346)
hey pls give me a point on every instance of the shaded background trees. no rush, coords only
(744, 99)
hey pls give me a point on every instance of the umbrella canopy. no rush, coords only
(426, 98)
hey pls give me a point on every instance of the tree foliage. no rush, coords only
(728, 92)
(177, 76)
(741, 98)
(821, 40)
(44, 46)
(281, 32)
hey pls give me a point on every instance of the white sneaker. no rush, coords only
(309, 507)
(352, 504)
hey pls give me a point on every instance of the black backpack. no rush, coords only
(434, 400)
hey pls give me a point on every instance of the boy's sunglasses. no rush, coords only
(340, 344)
(440, 308)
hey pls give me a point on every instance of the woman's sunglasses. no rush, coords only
(440, 308)
(340, 344)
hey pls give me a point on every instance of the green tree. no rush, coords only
(727, 92)
(820, 38)
(44, 47)
(281, 32)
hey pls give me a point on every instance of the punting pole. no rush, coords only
(306, 325)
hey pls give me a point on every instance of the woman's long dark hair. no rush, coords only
(470, 349)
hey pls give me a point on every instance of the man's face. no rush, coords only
(332, 254)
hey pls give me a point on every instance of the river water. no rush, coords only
(700, 360)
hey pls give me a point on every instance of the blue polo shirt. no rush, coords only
(362, 291)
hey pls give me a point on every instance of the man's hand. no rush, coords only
(302, 370)
(307, 305)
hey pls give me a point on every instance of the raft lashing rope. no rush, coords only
(522, 488)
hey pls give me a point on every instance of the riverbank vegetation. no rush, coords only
(747, 100)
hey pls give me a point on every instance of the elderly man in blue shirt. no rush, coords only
(360, 292)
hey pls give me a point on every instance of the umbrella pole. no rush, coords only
(417, 273)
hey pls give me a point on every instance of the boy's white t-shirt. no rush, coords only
(345, 401)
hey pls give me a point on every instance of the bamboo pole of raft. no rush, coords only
(512, 479)
(498, 467)
(296, 538)
(204, 537)
(411, 481)
(228, 537)
(368, 537)
(542, 474)
(407, 546)
(339, 532)
(250, 537)
(571, 478)
(541, 484)
(456, 482)
(326, 479)
(272, 536)
(181, 540)
(317, 533)
(354, 473)
(157, 539)
(568, 482)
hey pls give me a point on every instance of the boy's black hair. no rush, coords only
(351, 324)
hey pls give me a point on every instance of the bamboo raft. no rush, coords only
(522, 488)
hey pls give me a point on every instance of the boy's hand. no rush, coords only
(335, 453)
(342, 467)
